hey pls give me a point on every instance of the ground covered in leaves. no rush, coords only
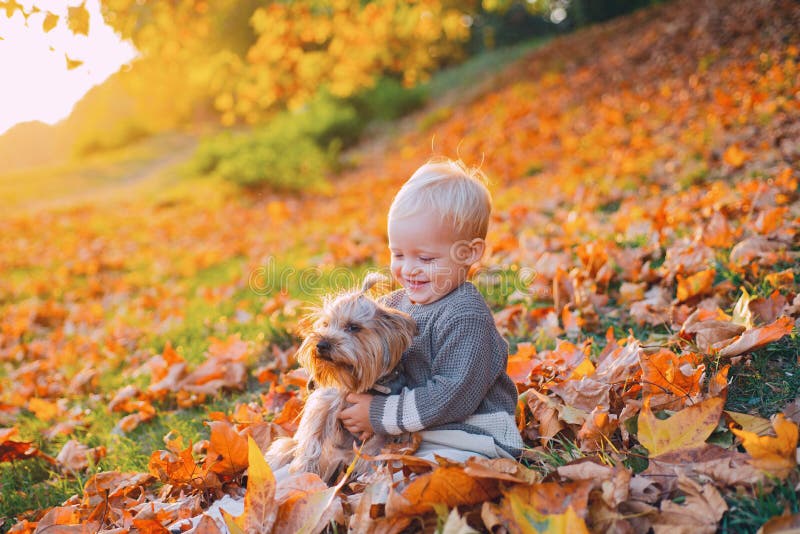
(643, 267)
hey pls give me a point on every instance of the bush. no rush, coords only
(389, 100)
(295, 150)
(283, 159)
(284, 163)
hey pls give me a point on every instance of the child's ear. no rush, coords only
(477, 248)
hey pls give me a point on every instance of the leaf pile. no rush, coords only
(644, 255)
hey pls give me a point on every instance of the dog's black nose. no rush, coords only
(323, 347)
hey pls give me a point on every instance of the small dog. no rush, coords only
(354, 346)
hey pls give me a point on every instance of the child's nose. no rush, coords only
(409, 268)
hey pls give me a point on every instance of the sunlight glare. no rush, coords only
(36, 84)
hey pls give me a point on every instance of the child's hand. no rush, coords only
(356, 417)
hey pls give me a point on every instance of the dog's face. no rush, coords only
(353, 341)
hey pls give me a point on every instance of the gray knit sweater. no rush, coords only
(455, 372)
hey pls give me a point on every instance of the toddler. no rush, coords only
(457, 393)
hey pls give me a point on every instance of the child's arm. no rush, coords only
(463, 370)
(355, 418)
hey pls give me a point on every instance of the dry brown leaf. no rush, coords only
(756, 338)
(700, 512)
(75, 457)
(500, 469)
(724, 467)
(756, 249)
(585, 394)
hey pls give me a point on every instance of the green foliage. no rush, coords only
(280, 156)
(283, 162)
(389, 100)
(296, 150)
(747, 513)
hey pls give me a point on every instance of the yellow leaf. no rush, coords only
(78, 19)
(44, 409)
(773, 455)
(750, 423)
(686, 429)
(233, 523)
(49, 22)
(531, 521)
(260, 508)
(73, 63)
(741, 310)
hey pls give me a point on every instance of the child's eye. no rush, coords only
(426, 260)
(397, 255)
(352, 328)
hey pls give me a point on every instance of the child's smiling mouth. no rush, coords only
(416, 284)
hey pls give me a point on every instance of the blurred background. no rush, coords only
(99, 80)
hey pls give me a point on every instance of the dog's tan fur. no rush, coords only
(353, 343)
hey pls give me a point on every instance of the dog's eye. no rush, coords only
(352, 328)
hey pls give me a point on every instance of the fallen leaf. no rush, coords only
(725, 467)
(75, 457)
(750, 423)
(697, 284)
(530, 520)
(449, 485)
(260, 507)
(685, 429)
(700, 512)
(774, 455)
(228, 449)
(21, 450)
(766, 310)
(756, 338)
(500, 469)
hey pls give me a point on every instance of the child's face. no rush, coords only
(428, 259)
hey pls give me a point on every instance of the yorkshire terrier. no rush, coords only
(354, 346)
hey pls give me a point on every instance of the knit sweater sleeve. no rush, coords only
(463, 370)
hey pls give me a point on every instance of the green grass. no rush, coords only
(748, 512)
(42, 185)
(769, 381)
(477, 68)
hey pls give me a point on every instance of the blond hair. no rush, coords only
(457, 192)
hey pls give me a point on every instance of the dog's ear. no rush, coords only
(400, 321)
(372, 279)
